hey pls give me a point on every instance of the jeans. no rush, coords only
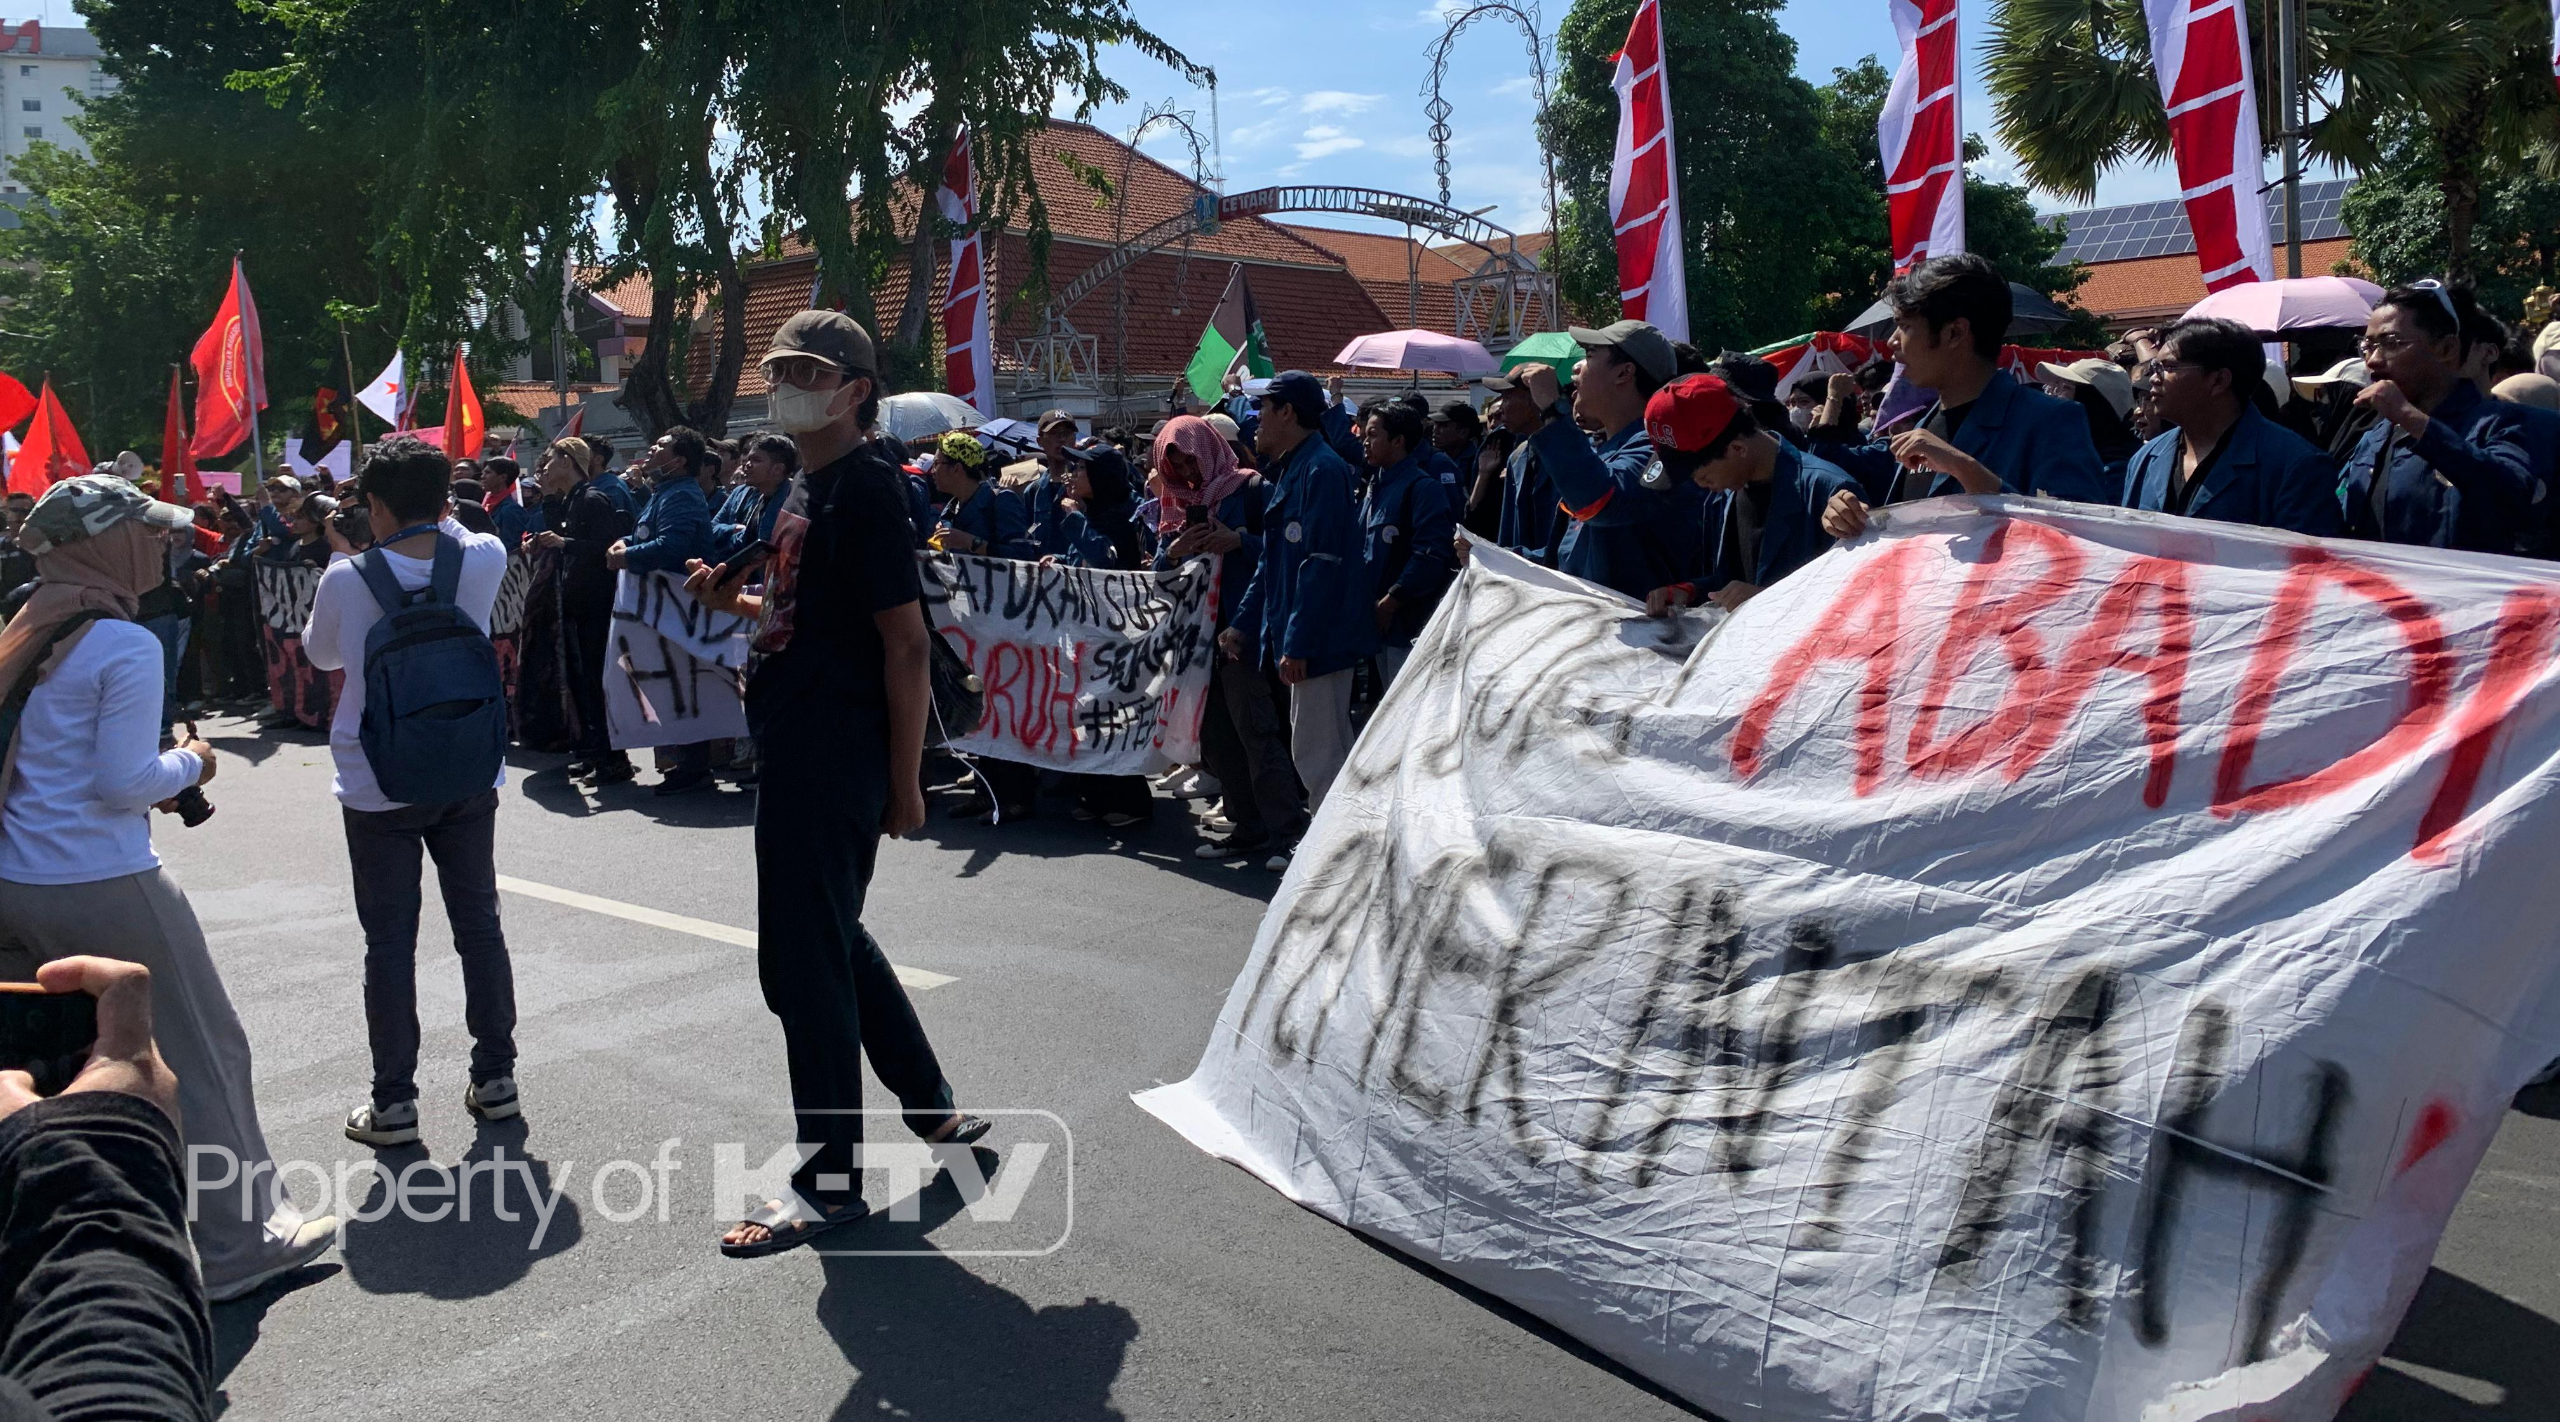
(383, 847)
(818, 810)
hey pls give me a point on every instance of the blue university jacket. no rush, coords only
(611, 485)
(2033, 442)
(1617, 535)
(742, 518)
(997, 518)
(1406, 530)
(676, 526)
(1040, 498)
(2467, 483)
(2268, 476)
(1309, 597)
(1799, 489)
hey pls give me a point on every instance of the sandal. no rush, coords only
(788, 1224)
(961, 1129)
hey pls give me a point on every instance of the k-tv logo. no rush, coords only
(1010, 1196)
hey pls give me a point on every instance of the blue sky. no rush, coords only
(1334, 93)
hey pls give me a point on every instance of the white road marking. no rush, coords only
(918, 979)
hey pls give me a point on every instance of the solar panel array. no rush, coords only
(2159, 229)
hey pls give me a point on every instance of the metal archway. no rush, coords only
(1507, 291)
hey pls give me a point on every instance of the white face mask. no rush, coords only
(1802, 415)
(798, 411)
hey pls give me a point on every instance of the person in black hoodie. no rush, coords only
(581, 521)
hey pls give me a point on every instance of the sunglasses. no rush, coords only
(2442, 294)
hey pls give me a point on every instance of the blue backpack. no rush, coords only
(435, 706)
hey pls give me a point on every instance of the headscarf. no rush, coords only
(1219, 473)
(1112, 511)
(106, 573)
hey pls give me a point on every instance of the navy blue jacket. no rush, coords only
(1309, 597)
(2467, 483)
(996, 517)
(2035, 443)
(2268, 476)
(611, 486)
(1406, 532)
(922, 510)
(2542, 442)
(1338, 432)
(514, 520)
(1241, 511)
(1040, 497)
(1618, 536)
(1084, 546)
(676, 526)
(743, 518)
(1529, 513)
(1800, 487)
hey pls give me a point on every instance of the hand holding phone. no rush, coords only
(107, 1001)
(47, 1035)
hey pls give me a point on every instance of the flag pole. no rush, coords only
(355, 407)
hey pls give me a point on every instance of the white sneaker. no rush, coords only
(308, 1243)
(384, 1125)
(492, 1100)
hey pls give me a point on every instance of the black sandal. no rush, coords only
(788, 1224)
(962, 1129)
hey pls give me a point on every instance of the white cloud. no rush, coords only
(1268, 97)
(1411, 145)
(1325, 140)
(1337, 101)
(1521, 87)
(1254, 135)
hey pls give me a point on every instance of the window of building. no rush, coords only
(26, 71)
(33, 130)
(31, 106)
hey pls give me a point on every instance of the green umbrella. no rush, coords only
(1550, 347)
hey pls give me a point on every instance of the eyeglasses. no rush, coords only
(2385, 345)
(801, 371)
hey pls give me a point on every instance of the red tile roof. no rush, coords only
(630, 296)
(535, 398)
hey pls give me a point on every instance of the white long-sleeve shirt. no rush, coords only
(77, 808)
(343, 612)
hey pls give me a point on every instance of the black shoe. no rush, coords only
(612, 773)
(683, 784)
(1231, 846)
(973, 808)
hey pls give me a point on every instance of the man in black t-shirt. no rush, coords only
(837, 705)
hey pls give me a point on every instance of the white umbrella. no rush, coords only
(919, 415)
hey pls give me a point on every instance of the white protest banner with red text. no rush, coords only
(2037, 962)
(1085, 670)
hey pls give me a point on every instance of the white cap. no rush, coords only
(2349, 372)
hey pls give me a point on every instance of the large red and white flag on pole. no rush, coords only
(231, 377)
(968, 362)
(2201, 50)
(1922, 135)
(1644, 191)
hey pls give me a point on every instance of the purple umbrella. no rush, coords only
(1418, 350)
(2293, 304)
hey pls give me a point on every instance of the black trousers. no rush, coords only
(590, 637)
(383, 847)
(1244, 742)
(818, 809)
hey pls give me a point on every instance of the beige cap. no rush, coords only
(2540, 391)
(2104, 376)
(2349, 372)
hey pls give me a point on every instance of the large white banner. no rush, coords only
(2038, 962)
(1084, 670)
(676, 671)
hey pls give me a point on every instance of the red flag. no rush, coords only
(177, 461)
(231, 377)
(323, 416)
(463, 427)
(577, 423)
(16, 403)
(52, 452)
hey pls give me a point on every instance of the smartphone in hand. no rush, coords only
(748, 559)
(46, 1034)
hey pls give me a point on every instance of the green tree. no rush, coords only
(2074, 92)
(1759, 189)
(2397, 212)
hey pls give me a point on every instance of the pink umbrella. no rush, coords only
(2293, 304)
(1418, 350)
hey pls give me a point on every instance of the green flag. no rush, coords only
(1232, 341)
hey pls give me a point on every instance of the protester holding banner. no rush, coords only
(1615, 532)
(1307, 613)
(1048, 489)
(837, 706)
(581, 524)
(1097, 523)
(1985, 433)
(1766, 497)
(2443, 466)
(2225, 459)
(1407, 524)
(977, 515)
(674, 531)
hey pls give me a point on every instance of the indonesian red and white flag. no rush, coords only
(968, 361)
(1644, 196)
(231, 377)
(1922, 135)
(388, 395)
(2200, 49)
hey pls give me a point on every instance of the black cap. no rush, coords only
(1456, 411)
(1300, 392)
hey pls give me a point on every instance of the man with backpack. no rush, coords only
(419, 739)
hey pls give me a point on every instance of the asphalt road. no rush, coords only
(1080, 966)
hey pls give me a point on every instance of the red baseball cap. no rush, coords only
(1689, 413)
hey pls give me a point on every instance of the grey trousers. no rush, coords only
(239, 1226)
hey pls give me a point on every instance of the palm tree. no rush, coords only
(2073, 92)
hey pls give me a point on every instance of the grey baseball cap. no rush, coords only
(831, 338)
(1648, 348)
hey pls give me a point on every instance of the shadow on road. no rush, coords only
(2542, 1101)
(2503, 1358)
(933, 1342)
(1053, 832)
(236, 1324)
(474, 1249)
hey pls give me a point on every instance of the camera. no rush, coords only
(354, 522)
(193, 808)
